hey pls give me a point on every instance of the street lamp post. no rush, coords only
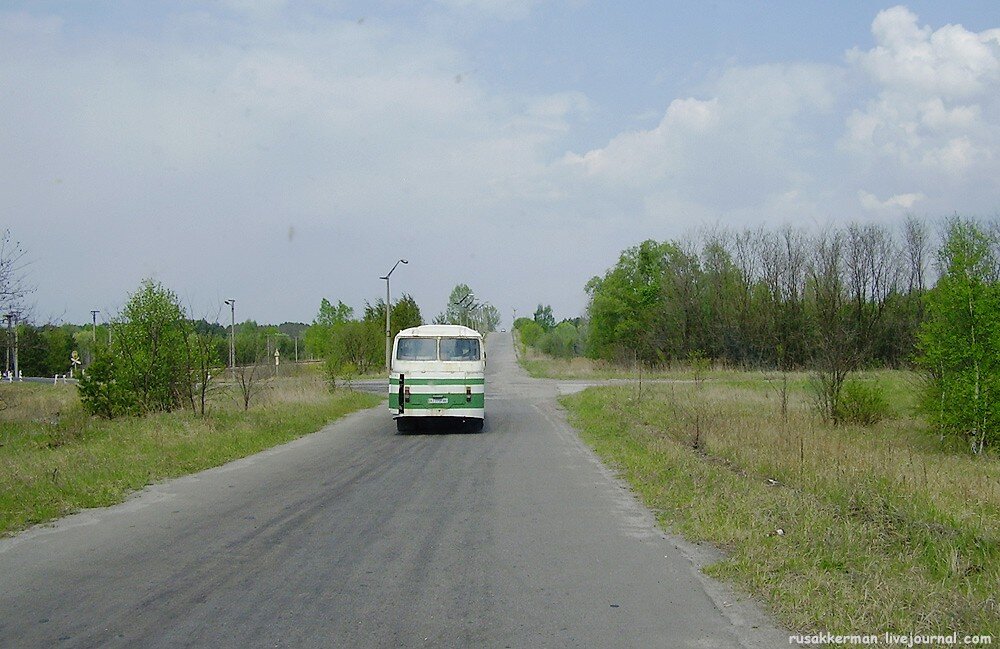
(232, 336)
(388, 334)
(468, 306)
(93, 316)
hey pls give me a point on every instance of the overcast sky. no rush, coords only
(281, 152)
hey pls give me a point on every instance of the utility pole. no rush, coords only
(93, 316)
(11, 319)
(232, 336)
(17, 372)
(388, 308)
(8, 317)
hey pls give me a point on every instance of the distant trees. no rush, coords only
(839, 299)
(318, 336)
(831, 302)
(563, 340)
(544, 318)
(45, 350)
(464, 309)
(349, 345)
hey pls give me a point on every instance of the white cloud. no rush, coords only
(345, 131)
(938, 96)
(745, 144)
(641, 156)
(892, 205)
(185, 152)
(799, 141)
(950, 62)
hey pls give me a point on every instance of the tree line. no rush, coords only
(760, 298)
(351, 345)
(566, 339)
(46, 349)
(153, 356)
(829, 302)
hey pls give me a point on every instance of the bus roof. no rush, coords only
(434, 330)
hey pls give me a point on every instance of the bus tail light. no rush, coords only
(406, 394)
(468, 394)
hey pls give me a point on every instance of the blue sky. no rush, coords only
(281, 152)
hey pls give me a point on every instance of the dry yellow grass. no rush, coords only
(882, 528)
(54, 459)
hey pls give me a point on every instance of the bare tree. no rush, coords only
(200, 358)
(916, 242)
(252, 378)
(834, 354)
(13, 274)
(871, 264)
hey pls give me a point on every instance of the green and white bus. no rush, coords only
(438, 371)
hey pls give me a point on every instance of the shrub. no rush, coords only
(101, 394)
(862, 403)
(146, 368)
(531, 332)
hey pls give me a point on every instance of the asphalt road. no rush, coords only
(359, 537)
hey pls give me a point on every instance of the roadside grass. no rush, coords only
(55, 459)
(846, 530)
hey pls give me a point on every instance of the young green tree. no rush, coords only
(461, 307)
(405, 314)
(543, 316)
(320, 333)
(489, 318)
(531, 331)
(626, 304)
(466, 310)
(58, 349)
(357, 346)
(960, 339)
(147, 359)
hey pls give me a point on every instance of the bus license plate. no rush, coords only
(438, 401)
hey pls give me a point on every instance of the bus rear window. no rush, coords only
(416, 349)
(459, 349)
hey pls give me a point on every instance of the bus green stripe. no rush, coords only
(419, 401)
(442, 381)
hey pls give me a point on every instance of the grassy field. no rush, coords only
(54, 459)
(542, 366)
(849, 529)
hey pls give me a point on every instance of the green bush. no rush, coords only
(103, 395)
(531, 332)
(863, 403)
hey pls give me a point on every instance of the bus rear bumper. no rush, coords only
(460, 413)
